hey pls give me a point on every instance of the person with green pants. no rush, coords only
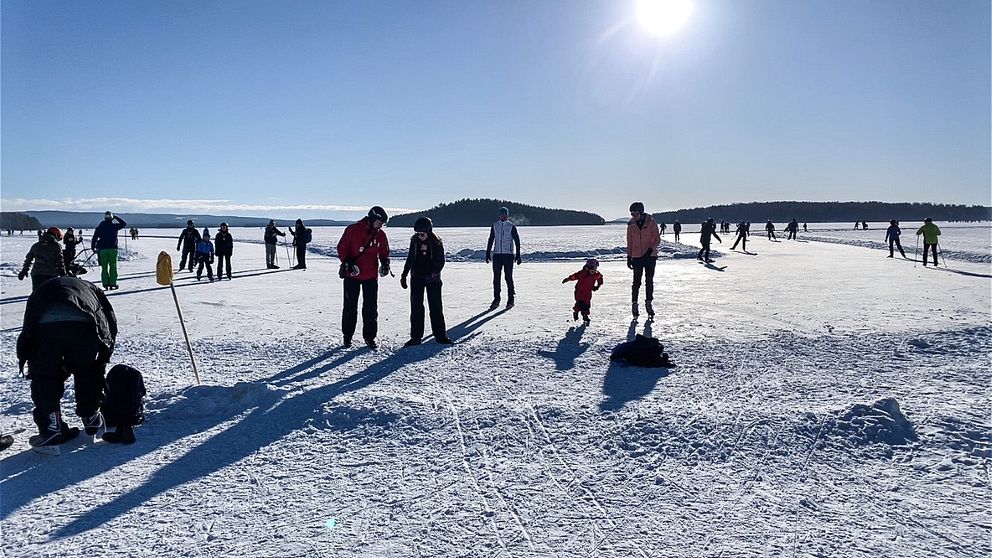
(930, 233)
(104, 243)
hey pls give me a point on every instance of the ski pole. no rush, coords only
(163, 275)
(916, 256)
(941, 250)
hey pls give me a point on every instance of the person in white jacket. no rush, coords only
(503, 238)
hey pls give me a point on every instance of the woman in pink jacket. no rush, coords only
(643, 240)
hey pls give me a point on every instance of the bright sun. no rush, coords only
(663, 17)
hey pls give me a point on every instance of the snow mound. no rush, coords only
(882, 422)
(213, 401)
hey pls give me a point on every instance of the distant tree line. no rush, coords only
(482, 212)
(13, 221)
(827, 212)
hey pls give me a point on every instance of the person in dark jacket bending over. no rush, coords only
(187, 243)
(424, 263)
(47, 257)
(271, 232)
(104, 243)
(503, 238)
(301, 236)
(364, 254)
(69, 329)
(223, 249)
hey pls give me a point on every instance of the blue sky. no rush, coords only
(324, 108)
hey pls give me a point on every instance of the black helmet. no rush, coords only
(637, 206)
(928, 220)
(189, 223)
(893, 222)
(378, 214)
(223, 224)
(423, 224)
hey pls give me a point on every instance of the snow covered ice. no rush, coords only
(827, 401)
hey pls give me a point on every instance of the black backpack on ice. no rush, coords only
(642, 351)
(125, 396)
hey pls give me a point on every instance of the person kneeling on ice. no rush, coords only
(205, 256)
(424, 262)
(69, 329)
(588, 279)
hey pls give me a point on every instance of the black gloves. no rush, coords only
(518, 259)
(630, 262)
(488, 259)
(403, 281)
(565, 280)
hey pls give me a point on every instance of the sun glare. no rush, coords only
(663, 17)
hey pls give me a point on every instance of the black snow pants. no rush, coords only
(704, 252)
(370, 313)
(743, 240)
(187, 253)
(931, 247)
(417, 288)
(59, 350)
(223, 259)
(643, 266)
(301, 255)
(504, 263)
(894, 243)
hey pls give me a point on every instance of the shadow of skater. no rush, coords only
(569, 348)
(632, 330)
(624, 383)
(272, 409)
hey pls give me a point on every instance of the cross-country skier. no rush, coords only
(271, 232)
(930, 233)
(301, 237)
(892, 237)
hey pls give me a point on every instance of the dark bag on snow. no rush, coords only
(125, 401)
(642, 351)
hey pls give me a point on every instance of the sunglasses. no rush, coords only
(421, 234)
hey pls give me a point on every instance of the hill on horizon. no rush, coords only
(90, 219)
(826, 212)
(481, 212)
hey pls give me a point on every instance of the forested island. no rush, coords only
(482, 212)
(827, 212)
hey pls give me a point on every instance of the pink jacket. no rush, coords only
(643, 241)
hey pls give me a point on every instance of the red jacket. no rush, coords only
(587, 281)
(351, 248)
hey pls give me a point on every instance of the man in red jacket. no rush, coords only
(364, 254)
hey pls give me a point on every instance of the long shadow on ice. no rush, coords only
(568, 349)
(624, 383)
(274, 409)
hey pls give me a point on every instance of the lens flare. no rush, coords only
(663, 17)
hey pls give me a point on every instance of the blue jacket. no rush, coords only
(105, 235)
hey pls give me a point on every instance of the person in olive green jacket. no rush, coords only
(930, 233)
(47, 257)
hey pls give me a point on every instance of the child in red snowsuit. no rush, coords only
(588, 279)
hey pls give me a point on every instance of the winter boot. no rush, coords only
(495, 304)
(372, 344)
(54, 433)
(412, 343)
(95, 425)
(124, 434)
(575, 316)
(444, 341)
(509, 303)
(633, 309)
(649, 308)
(585, 320)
